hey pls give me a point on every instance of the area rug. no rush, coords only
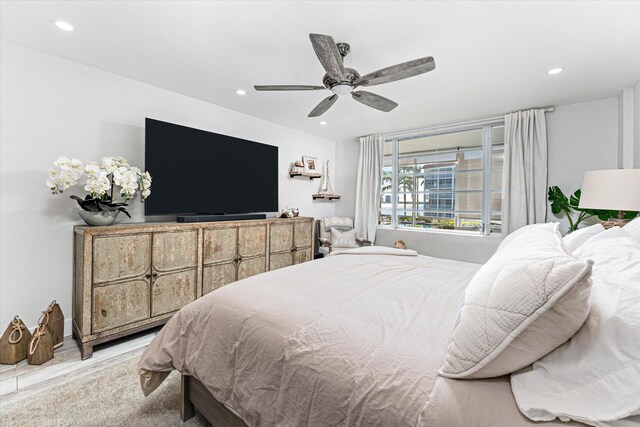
(110, 397)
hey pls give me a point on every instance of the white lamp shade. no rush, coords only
(611, 189)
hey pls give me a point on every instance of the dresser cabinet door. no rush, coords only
(172, 291)
(217, 275)
(281, 237)
(280, 260)
(174, 280)
(175, 250)
(121, 257)
(303, 234)
(252, 241)
(302, 255)
(219, 254)
(220, 244)
(251, 267)
(120, 304)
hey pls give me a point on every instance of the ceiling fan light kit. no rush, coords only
(344, 81)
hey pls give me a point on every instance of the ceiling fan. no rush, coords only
(343, 81)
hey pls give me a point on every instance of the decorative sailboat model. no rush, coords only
(325, 191)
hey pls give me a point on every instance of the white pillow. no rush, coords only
(575, 239)
(530, 297)
(633, 228)
(595, 377)
(343, 239)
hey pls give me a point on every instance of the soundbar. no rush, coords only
(225, 217)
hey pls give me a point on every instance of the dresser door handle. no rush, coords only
(103, 312)
(155, 274)
(147, 275)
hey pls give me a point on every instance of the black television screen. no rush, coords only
(199, 172)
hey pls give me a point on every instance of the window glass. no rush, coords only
(440, 179)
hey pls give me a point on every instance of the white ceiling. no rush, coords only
(491, 57)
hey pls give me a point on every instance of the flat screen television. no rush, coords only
(199, 172)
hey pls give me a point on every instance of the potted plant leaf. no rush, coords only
(567, 205)
(99, 206)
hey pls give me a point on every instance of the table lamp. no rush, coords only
(611, 190)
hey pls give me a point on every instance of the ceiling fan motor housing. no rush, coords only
(350, 76)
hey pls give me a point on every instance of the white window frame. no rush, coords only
(487, 138)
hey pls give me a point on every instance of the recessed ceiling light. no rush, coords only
(555, 71)
(323, 123)
(65, 26)
(241, 92)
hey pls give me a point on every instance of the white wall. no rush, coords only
(626, 114)
(636, 125)
(51, 106)
(581, 137)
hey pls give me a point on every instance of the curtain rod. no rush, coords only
(457, 126)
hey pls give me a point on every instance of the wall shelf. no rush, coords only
(326, 196)
(306, 175)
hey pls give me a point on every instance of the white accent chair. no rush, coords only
(323, 232)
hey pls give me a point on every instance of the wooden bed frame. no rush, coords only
(194, 397)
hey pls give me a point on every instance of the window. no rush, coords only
(445, 180)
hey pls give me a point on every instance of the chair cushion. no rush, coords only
(339, 223)
(343, 239)
(529, 298)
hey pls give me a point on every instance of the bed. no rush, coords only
(352, 339)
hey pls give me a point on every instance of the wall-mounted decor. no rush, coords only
(99, 206)
(310, 164)
(298, 168)
(325, 191)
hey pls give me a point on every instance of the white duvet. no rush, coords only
(595, 377)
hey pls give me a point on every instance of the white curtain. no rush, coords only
(368, 186)
(524, 182)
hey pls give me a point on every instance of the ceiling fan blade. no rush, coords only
(288, 87)
(323, 106)
(374, 101)
(328, 54)
(398, 72)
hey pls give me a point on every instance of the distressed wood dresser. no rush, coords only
(131, 277)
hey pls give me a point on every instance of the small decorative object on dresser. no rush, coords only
(288, 212)
(14, 343)
(99, 206)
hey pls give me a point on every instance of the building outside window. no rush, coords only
(445, 180)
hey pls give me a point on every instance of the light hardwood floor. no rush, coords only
(20, 381)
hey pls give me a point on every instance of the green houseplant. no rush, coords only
(561, 203)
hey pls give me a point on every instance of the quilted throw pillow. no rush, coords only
(530, 297)
(346, 239)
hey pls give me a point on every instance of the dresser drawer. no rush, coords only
(120, 257)
(120, 304)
